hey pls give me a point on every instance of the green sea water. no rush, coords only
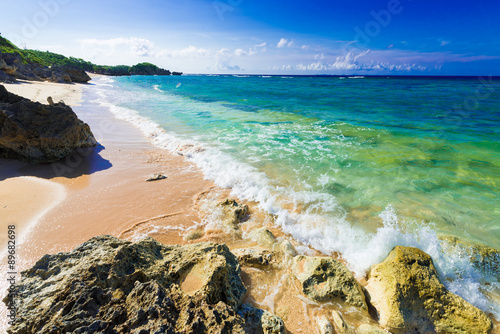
(428, 147)
(348, 165)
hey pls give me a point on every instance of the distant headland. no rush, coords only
(34, 65)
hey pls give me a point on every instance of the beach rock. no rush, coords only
(406, 291)
(326, 279)
(39, 133)
(370, 329)
(340, 324)
(60, 76)
(156, 177)
(232, 212)
(264, 237)
(260, 322)
(4, 77)
(76, 74)
(194, 234)
(324, 326)
(485, 259)
(110, 285)
(257, 258)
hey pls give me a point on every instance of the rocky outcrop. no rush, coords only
(4, 77)
(39, 133)
(108, 285)
(406, 291)
(326, 279)
(13, 65)
(232, 212)
(76, 74)
(257, 258)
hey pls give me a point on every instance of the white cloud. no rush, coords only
(282, 43)
(189, 52)
(136, 46)
(355, 62)
(305, 47)
(443, 43)
(285, 43)
(261, 45)
(240, 52)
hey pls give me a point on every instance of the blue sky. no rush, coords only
(405, 37)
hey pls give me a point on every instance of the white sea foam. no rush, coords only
(329, 231)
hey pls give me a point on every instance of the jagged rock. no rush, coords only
(156, 177)
(326, 279)
(484, 258)
(260, 322)
(13, 65)
(370, 329)
(264, 237)
(76, 74)
(406, 291)
(4, 77)
(259, 258)
(232, 212)
(60, 76)
(340, 324)
(39, 133)
(324, 326)
(194, 234)
(110, 285)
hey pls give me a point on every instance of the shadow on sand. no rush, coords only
(78, 163)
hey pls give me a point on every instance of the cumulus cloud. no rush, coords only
(240, 52)
(136, 46)
(223, 60)
(285, 43)
(189, 52)
(139, 47)
(353, 61)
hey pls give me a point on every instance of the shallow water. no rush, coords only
(354, 166)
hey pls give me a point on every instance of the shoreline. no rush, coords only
(107, 193)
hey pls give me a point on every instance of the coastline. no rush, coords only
(107, 193)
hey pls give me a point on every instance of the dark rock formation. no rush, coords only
(406, 291)
(39, 133)
(176, 73)
(4, 77)
(326, 279)
(76, 74)
(108, 285)
(13, 65)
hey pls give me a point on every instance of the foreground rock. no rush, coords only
(108, 285)
(409, 297)
(326, 279)
(39, 133)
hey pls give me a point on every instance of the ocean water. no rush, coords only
(355, 165)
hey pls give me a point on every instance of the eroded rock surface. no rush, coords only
(406, 291)
(325, 279)
(108, 285)
(39, 133)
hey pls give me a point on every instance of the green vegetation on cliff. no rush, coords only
(49, 59)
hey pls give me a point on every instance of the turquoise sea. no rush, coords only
(355, 165)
